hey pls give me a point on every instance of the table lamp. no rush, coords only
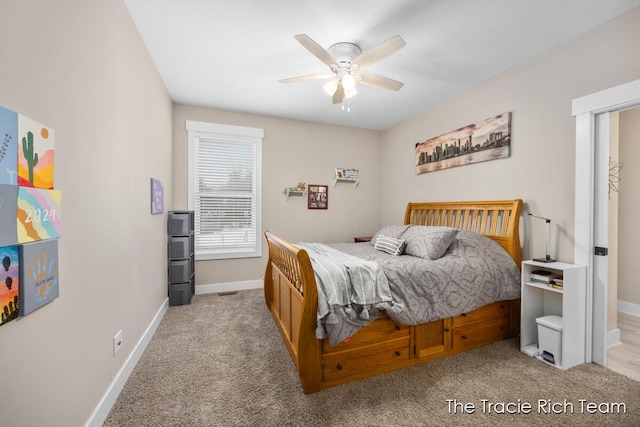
(547, 257)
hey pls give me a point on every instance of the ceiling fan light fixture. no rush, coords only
(330, 86)
(348, 82)
(348, 93)
(346, 60)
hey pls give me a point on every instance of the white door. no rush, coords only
(591, 203)
(601, 236)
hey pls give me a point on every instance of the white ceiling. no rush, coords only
(230, 54)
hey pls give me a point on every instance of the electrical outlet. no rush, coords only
(117, 342)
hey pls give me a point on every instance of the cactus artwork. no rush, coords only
(35, 154)
(29, 155)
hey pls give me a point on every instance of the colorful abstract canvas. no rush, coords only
(38, 214)
(8, 210)
(8, 147)
(157, 196)
(35, 154)
(9, 283)
(38, 275)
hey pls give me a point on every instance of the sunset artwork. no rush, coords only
(38, 214)
(35, 154)
(9, 283)
(8, 147)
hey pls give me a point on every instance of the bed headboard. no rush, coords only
(496, 219)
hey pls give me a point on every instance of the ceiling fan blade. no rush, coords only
(317, 50)
(379, 81)
(378, 53)
(306, 78)
(338, 95)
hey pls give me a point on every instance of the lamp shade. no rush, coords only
(330, 86)
(348, 82)
(348, 93)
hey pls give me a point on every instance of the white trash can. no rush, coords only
(550, 339)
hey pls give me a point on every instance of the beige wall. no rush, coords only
(629, 206)
(541, 168)
(81, 68)
(293, 151)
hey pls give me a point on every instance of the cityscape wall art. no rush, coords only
(489, 139)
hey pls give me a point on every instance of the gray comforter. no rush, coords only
(474, 271)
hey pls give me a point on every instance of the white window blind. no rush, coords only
(225, 168)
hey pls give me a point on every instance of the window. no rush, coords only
(225, 169)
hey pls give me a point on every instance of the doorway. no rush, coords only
(593, 125)
(623, 317)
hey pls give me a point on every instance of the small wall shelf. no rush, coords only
(293, 193)
(355, 182)
(349, 176)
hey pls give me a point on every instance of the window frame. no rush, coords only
(227, 133)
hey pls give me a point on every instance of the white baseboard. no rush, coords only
(101, 412)
(229, 287)
(613, 337)
(629, 308)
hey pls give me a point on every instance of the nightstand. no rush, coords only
(568, 302)
(362, 239)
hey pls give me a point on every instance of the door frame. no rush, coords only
(585, 110)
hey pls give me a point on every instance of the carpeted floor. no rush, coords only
(221, 362)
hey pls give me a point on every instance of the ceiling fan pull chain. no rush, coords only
(348, 100)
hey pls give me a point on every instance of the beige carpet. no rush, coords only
(221, 362)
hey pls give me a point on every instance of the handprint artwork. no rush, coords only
(39, 274)
(42, 273)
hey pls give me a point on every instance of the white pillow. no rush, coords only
(394, 231)
(428, 242)
(389, 245)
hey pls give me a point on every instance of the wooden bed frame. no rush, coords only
(291, 295)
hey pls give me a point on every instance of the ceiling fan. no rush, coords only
(346, 61)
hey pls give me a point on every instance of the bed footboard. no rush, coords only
(292, 296)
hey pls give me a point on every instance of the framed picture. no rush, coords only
(157, 196)
(351, 174)
(489, 139)
(348, 174)
(318, 196)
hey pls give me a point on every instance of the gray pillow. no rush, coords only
(395, 231)
(428, 242)
(389, 245)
